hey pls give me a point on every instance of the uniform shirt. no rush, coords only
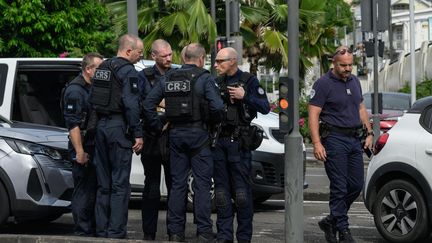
(76, 102)
(130, 98)
(340, 100)
(144, 84)
(205, 85)
(255, 97)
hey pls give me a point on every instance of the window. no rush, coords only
(3, 75)
(426, 119)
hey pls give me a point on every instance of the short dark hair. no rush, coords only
(88, 59)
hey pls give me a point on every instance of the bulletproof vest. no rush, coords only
(150, 75)
(182, 104)
(107, 87)
(237, 114)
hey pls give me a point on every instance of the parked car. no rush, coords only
(35, 174)
(30, 91)
(398, 186)
(394, 105)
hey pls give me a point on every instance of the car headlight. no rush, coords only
(24, 147)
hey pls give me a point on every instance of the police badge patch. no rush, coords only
(71, 106)
(312, 93)
(261, 90)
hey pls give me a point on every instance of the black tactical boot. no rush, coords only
(327, 225)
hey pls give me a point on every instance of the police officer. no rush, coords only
(151, 156)
(76, 111)
(192, 103)
(115, 97)
(337, 111)
(243, 97)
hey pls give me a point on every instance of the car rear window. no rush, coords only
(390, 101)
(426, 118)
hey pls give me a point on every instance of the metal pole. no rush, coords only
(213, 46)
(132, 17)
(412, 52)
(227, 19)
(293, 141)
(376, 122)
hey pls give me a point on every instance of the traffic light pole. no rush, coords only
(293, 141)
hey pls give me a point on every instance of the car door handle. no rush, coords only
(429, 151)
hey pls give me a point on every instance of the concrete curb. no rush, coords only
(11, 238)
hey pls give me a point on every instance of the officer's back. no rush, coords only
(192, 103)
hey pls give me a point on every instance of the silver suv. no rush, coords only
(35, 176)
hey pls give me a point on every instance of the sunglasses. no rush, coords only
(219, 61)
(343, 51)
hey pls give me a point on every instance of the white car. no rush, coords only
(398, 186)
(267, 164)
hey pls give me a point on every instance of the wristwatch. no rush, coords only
(370, 133)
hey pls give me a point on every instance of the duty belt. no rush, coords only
(198, 124)
(111, 116)
(347, 131)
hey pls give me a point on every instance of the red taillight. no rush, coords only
(382, 140)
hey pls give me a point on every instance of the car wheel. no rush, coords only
(400, 212)
(190, 193)
(4, 204)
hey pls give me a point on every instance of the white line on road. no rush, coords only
(310, 202)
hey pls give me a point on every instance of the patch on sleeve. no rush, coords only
(312, 93)
(261, 91)
(71, 106)
(133, 81)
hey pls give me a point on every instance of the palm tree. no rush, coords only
(264, 31)
(179, 22)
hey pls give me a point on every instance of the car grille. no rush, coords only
(272, 177)
(278, 135)
(48, 162)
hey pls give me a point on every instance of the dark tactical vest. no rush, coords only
(107, 87)
(150, 75)
(237, 114)
(182, 104)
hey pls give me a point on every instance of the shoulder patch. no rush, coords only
(312, 93)
(260, 90)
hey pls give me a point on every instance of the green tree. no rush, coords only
(180, 22)
(42, 28)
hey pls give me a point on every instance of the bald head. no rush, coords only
(130, 48)
(226, 61)
(162, 55)
(194, 54)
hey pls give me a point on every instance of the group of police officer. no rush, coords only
(187, 107)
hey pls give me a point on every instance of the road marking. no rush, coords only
(311, 202)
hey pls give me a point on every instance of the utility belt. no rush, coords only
(250, 137)
(114, 116)
(196, 124)
(325, 129)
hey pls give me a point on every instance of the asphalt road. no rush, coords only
(268, 225)
(268, 220)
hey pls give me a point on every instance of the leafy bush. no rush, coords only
(423, 89)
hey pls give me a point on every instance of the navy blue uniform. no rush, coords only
(75, 108)
(152, 161)
(233, 167)
(187, 151)
(340, 102)
(115, 135)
